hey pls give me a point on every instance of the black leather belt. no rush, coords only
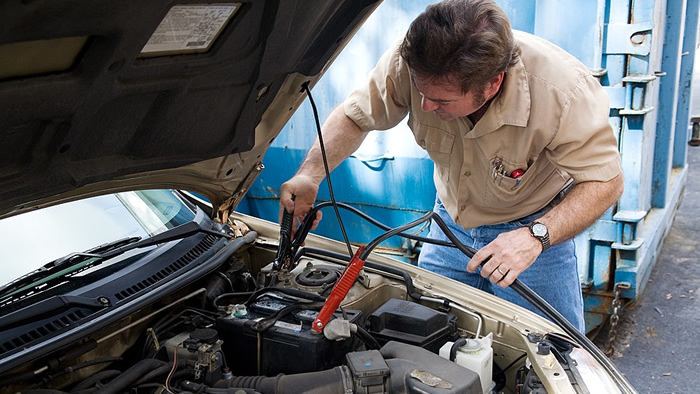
(562, 193)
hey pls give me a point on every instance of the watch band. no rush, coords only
(545, 242)
(541, 233)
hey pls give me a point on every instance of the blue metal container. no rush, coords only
(388, 178)
(642, 51)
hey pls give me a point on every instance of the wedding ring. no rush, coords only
(500, 272)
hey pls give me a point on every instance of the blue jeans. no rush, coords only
(554, 275)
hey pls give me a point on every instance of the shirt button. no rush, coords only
(467, 173)
(462, 208)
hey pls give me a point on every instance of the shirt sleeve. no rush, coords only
(383, 101)
(585, 145)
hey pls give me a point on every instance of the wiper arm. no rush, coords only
(179, 232)
(55, 268)
(50, 305)
(77, 262)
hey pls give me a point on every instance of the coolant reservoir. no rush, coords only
(475, 355)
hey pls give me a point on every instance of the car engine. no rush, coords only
(246, 327)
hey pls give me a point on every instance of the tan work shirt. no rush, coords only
(550, 119)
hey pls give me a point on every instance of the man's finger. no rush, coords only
(507, 279)
(319, 215)
(479, 258)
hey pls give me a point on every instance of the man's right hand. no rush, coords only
(342, 137)
(304, 189)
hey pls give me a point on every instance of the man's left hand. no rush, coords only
(507, 256)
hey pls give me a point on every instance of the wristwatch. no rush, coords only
(540, 231)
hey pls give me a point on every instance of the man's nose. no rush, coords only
(429, 105)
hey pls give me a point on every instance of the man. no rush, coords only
(518, 131)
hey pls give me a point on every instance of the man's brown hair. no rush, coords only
(462, 41)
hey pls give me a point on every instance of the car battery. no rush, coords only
(275, 336)
(412, 323)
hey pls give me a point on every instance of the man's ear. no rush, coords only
(493, 85)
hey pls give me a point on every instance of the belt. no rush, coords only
(554, 202)
(562, 193)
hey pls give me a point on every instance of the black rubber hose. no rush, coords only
(156, 373)
(408, 281)
(453, 350)
(337, 380)
(367, 338)
(193, 387)
(131, 375)
(90, 381)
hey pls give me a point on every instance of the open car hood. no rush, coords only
(97, 97)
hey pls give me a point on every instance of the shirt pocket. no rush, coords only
(438, 143)
(501, 189)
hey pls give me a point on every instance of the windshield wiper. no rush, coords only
(69, 264)
(76, 262)
(50, 305)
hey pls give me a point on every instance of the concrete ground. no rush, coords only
(658, 341)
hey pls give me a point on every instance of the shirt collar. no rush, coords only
(511, 105)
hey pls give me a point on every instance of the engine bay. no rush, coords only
(247, 328)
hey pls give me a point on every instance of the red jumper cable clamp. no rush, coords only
(340, 290)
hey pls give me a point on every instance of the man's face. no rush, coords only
(446, 99)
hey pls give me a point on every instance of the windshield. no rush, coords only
(30, 240)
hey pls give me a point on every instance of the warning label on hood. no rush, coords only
(189, 29)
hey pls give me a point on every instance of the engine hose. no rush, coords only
(337, 380)
(94, 378)
(193, 387)
(156, 373)
(131, 375)
(455, 346)
(367, 338)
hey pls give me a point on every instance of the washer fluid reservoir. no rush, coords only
(475, 355)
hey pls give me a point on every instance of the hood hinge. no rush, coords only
(227, 206)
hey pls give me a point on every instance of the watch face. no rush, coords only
(539, 230)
